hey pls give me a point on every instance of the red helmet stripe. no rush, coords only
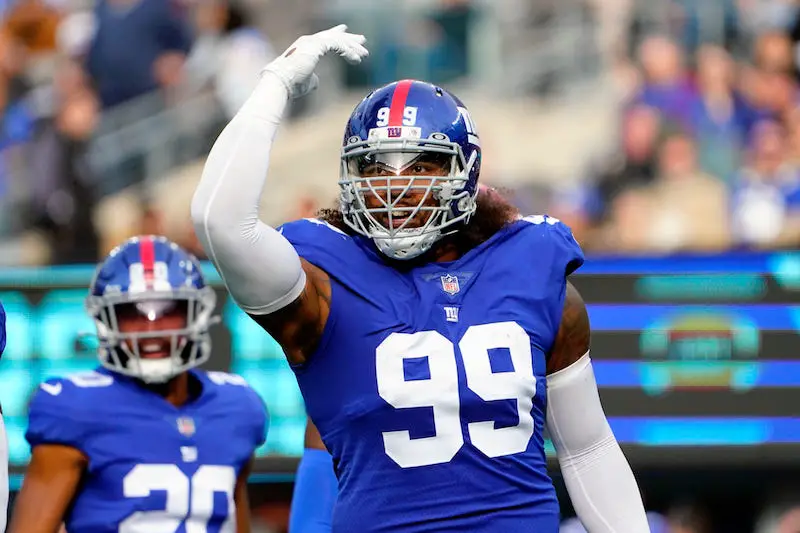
(398, 105)
(147, 254)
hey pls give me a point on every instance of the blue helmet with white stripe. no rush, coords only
(410, 163)
(152, 309)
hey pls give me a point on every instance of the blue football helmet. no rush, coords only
(151, 277)
(410, 163)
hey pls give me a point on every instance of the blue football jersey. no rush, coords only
(429, 387)
(152, 467)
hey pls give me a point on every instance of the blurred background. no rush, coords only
(666, 133)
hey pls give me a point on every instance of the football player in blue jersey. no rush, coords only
(432, 331)
(147, 442)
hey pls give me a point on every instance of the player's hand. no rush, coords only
(295, 67)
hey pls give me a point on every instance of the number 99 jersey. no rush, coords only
(152, 467)
(428, 386)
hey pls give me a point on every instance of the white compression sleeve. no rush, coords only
(260, 268)
(598, 477)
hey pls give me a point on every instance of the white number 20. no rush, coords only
(440, 391)
(194, 511)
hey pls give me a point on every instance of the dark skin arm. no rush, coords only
(572, 341)
(242, 501)
(298, 326)
(51, 481)
(313, 439)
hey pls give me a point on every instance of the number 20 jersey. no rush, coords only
(428, 386)
(152, 467)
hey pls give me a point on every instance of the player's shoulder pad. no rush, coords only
(71, 391)
(236, 388)
(310, 230)
(244, 399)
(558, 237)
(63, 409)
(325, 246)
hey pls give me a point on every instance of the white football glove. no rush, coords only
(295, 67)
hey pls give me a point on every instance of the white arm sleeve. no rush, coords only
(260, 268)
(598, 478)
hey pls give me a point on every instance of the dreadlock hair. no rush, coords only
(493, 212)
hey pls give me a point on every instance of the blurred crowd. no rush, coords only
(708, 157)
(70, 69)
(709, 150)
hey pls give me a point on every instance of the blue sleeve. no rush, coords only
(2, 329)
(569, 256)
(315, 492)
(315, 241)
(553, 249)
(54, 417)
(554, 246)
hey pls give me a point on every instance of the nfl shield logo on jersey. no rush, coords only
(450, 284)
(186, 426)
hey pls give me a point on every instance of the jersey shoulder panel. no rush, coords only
(554, 242)
(65, 410)
(346, 259)
(315, 239)
(237, 398)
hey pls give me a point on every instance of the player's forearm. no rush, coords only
(315, 492)
(599, 479)
(604, 492)
(260, 268)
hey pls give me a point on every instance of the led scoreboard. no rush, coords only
(696, 356)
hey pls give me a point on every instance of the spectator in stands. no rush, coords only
(16, 120)
(793, 126)
(720, 117)
(665, 86)
(766, 198)
(634, 165)
(684, 208)
(16, 128)
(229, 50)
(63, 195)
(694, 15)
(139, 47)
(33, 23)
(770, 85)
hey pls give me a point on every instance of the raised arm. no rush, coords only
(260, 268)
(599, 479)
